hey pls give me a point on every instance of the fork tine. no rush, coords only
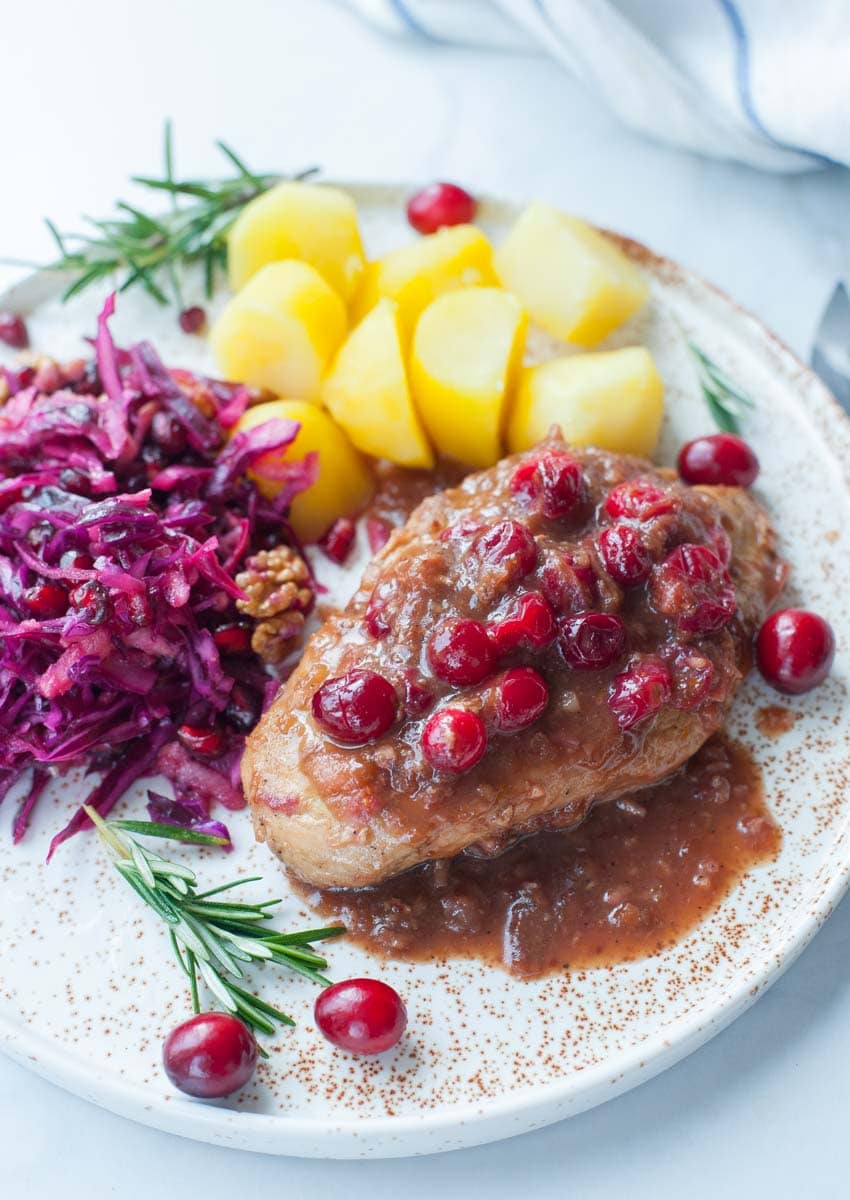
(831, 350)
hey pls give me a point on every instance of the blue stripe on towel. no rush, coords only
(413, 23)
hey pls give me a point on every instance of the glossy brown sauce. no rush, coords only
(635, 877)
(774, 720)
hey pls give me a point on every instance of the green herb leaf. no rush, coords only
(175, 833)
(726, 402)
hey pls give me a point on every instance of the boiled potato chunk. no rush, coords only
(466, 352)
(367, 393)
(344, 484)
(612, 399)
(572, 280)
(416, 274)
(307, 221)
(280, 331)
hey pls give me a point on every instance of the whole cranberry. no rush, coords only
(210, 1055)
(46, 600)
(200, 741)
(192, 320)
(417, 698)
(439, 205)
(568, 580)
(639, 500)
(794, 650)
(454, 740)
(639, 692)
(554, 479)
(375, 618)
(355, 708)
(692, 675)
(13, 331)
(592, 641)
(508, 545)
(719, 458)
(521, 697)
(694, 589)
(529, 622)
(624, 556)
(364, 1016)
(460, 652)
(339, 539)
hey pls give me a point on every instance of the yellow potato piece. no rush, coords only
(466, 352)
(367, 393)
(573, 281)
(307, 221)
(344, 484)
(612, 399)
(416, 274)
(280, 331)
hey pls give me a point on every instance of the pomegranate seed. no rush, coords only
(46, 600)
(459, 652)
(720, 458)
(640, 692)
(339, 539)
(378, 532)
(168, 434)
(555, 478)
(357, 707)
(592, 641)
(624, 555)
(439, 205)
(243, 708)
(206, 743)
(521, 697)
(640, 500)
(92, 601)
(693, 674)
(529, 622)
(694, 589)
(232, 639)
(417, 698)
(210, 1055)
(454, 740)
(795, 649)
(13, 331)
(364, 1016)
(192, 320)
(508, 545)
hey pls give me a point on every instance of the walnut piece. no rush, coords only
(278, 594)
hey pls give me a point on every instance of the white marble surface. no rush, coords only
(761, 1110)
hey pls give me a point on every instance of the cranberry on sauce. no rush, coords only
(639, 500)
(46, 600)
(521, 697)
(794, 650)
(439, 205)
(339, 539)
(592, 641)
(692, 675)
(568, 581)
(528, 622)
(694, 589)
(375, 618)
(454, 740)
(509, 546)
(210, 1055)
(460, 652)
(623, 554)
(193, 319)
(719, 458)
(13, 331)
(364, 1016)
(554, 479)
(205, 743)
(639, 692)
(417, 698)
(355, 708)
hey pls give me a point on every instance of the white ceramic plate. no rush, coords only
(87, 985)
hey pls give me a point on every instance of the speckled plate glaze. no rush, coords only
(87, 985)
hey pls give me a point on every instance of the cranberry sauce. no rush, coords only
(635, 877)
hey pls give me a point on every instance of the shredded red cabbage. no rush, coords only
(124, 516)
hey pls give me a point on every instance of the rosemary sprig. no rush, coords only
(726, 401)
(150, 250)
(211, 938)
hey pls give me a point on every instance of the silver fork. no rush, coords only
(831, 349)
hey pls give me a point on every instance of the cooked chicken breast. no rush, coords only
(558, 630)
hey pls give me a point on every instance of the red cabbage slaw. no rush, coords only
(124, 516)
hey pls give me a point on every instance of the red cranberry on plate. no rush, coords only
(13, 331)
(439, 205)
(795, 649)
(694, 589)
(210, 1055)
(639, 692)
(192, 320)
(460, 652)
(623, 554)
(639, 500)
(454, 740)
(364, 1016)
(719, 458)
(554, 479)
(529, 622)
(508, 545)
(339, 539)
(355, 708)
(592, 641)
(521, 697)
